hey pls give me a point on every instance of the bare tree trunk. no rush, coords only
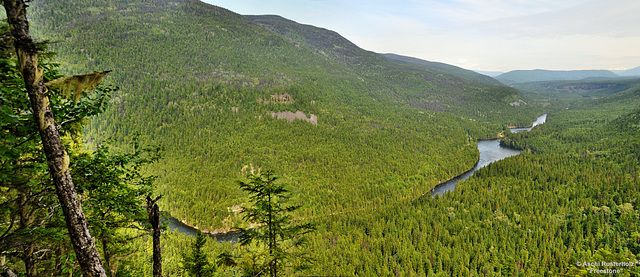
(154, 218)
(57, 158)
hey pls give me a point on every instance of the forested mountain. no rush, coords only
(206, 83)
(458, 71)
(582, 88)
(492, 74)
(522, 76)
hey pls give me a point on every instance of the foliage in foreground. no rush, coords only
(33, 236)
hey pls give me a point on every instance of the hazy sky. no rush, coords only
(497, 35)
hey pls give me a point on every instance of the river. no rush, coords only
(490, 151)
(182, 228)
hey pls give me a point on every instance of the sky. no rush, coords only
(489, 35)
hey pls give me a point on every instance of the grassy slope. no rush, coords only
(386, 131)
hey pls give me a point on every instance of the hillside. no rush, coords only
(324, 42)
(209, 84)
(458, 71)
(523, 76)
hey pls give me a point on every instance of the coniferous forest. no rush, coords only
(195, 102)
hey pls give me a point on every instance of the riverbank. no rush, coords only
(490, 151)
(175, 224)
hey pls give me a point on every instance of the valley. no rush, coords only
(489, 151)
(407, 121)
(200, 98)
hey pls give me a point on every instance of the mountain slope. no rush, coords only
(208, 84)
(322, 41)
(522, 76)
(464, 73)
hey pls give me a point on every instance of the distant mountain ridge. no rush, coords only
(538, 75)
(451, 69)
(586, 87)
(491, 74)
(629, 72)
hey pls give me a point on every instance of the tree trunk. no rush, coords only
(57, 158)
(25, 222)
(154, 219)
(106, 256)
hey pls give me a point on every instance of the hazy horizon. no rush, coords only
(492, 35)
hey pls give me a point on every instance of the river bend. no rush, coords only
(490, 151)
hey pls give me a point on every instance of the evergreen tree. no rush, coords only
(197, 263)
(276, 231)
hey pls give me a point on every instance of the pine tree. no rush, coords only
(197, 263)
(276, 231)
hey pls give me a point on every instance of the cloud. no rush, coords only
(470, 11)
(610, 18)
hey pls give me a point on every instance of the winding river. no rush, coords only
(490, 151)
(182, 228)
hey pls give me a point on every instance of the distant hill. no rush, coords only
(585, 88)
(629, 72)
(523, 76)
(451, 69)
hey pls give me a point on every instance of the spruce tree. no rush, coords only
(197, 263)
(277, 231)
